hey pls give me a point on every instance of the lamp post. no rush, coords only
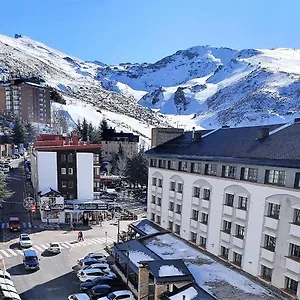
(118, 234)
(106, 238)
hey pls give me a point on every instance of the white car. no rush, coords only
(102, 266)
(54, 248)
(90, 274)
(80, 296)
(25, 241)
(126, 295)
(96, 255)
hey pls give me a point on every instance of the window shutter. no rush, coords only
(267, 176)
(206, 168)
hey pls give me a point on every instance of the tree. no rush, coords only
(119, 162)
(4, 192)
(30, 133)
(84, 130)
(104, 128)
(18, 132)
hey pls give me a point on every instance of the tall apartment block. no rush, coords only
(29, 101)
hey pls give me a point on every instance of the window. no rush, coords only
(273, 210)
(195, 214)
(266, 273)
(196, 192)
(177, 228)
(249, 174)
(291, 285)
(229, 171)
(295, 251)
(172, 186)
(183, 166)
(237, 258)
(159, 182)
(154, 181)
(153, 199)
(229, 199)
(158, 219)
(96, 186)
(178, 208)
(206, 194)
(204, 218)
(296, 218)
(70, 157)
(152, 217)
(171, 206)
(270, 242)
(162, 164)
(297, 181)
(96, 158)
(70, 171)
(70, 184)
(63, 157)
(211, 169)
(227, 226)
(153, 162)
(196, 168)
(275, 177)
(180, 187)
(63, 184)
(239, 231)
(171, 165)
(158, 201)
(202, 242)
(63, 171)
(193, 237)
(96, 171)
(170, 226)
(224, 252)
(242, 203)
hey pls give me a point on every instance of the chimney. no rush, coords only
(262, 133)
(67, 140)
(197, 136)
(75, 139)
(193, 134)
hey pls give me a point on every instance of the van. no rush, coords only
(31, 260)
(14, 224)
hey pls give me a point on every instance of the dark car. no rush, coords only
(100, 290)
(111, 281)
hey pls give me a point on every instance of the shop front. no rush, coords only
(85, 212)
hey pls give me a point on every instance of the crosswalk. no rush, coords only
(24, 225)
(6, 253)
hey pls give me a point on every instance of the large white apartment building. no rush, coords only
(235, 193)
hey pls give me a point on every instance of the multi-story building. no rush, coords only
(235, 193)
(29, 101)
(68, 166)
(111, 141)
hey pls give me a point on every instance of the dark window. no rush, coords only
(227, 226)
(291, 285)
(162, 164)
(295, 251)
(239, 231)
(63, 184)
(206, 194)
(172, 186)
(297, 181)
(170, 226)
(63, 171)
(266, 273)
(204, 218)
(158, 219)
(202, 242)
(296, 218)
(178, 208)
(70, 184)
(171, 165)
(183, 166)
(152, 217)
(224, 252)
(180, 187)
(243, 201)
(211, 169)
(153, 199)
(177, 228)
(70, 157)
(195, 214)
(153, 162)
(193, 237)
(249, 174)
(154, 181)
(237, 258)
(275, 177)
(159, 182)
(63, 157)
(229, 199)
(270, 242)
(196, 168)
(158, 201)
(196, 192)
(171, 206)
(273, 210)
(70, 171)
(96, 158)
(96, 186)
(229, 171)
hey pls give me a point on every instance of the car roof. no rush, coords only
(30, 252)
(53, 243)
(103, 286)
(118, 293)
(13, 219)
(92, 270)
(24, 234)
(82, 296)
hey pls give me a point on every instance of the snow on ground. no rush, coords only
(189, 121)
(190, 293)
(128, 91)
(208, 273)
(167, 271)
(137, 256)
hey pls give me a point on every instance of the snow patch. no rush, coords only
(137, 256)
(190, 293)
(167, 271)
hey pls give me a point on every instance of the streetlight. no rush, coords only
(106, 238)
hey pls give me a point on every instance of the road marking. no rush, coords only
(12, 252)
(92, 242)
(38, 248)
(64, 245)
(7, 255)
(44, 247)
(19, 251)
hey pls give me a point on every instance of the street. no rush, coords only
(56, 278)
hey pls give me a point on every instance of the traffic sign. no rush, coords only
(33, 208)
(28, 202)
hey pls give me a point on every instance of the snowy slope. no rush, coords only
(75, 79)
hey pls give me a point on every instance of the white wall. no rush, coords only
(47, 170)
(85, 176)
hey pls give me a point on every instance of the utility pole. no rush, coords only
(127, 267)
(118, 234)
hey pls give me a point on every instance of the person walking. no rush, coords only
(79, 236)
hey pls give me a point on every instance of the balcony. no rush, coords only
(271, 223)
(203, 227)
(295, 230)
(195, 201)
(179, 196)
(159, 189)
(158, 208)
(171, 214)
(268, 255)
(241, 214)
(228, 210)
(177, 217)
(225, 237)
(238, 242)
(153, 188)
(172, 194)
(194, 223)
(205, 203)
(292, 265)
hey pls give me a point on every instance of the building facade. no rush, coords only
(235, 193)
(68, 166)
(26, 100)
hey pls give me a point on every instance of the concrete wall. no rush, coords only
(47, 170)
(85, 176)
(109, 148)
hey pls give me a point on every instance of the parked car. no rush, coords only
(82, 263)
(97, 255)
(119, 295)
(101, 290)
(111, 281)
(80, 296)
(14, 224)
(30, 260)
(25, 241)
(102, 266)
(90, 274)
(54, 248)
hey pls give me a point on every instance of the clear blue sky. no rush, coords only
(116, 31)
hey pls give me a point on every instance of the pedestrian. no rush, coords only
(81, 235)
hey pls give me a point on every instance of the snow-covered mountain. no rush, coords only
(75, 80)
(210, 86)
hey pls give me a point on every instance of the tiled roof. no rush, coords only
(281, 146)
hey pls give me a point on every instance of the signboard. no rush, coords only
(28, 202)
(33, 208)
(86, 206)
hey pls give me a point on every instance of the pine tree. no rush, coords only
(84, 130)
(104, 128)
(18, 132)
(30, 133)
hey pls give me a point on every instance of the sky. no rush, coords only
(115, 31)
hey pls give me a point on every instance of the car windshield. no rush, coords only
(31, 258)
(54, 245)
(111, 296)
(14, 222)
(25, 238)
